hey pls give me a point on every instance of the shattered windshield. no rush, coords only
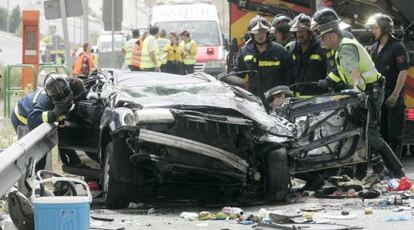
(159, 85)
(168, 90)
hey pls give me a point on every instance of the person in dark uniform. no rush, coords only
(391, 60)
(357, 70)
(281, 31)
(270, 60)
(50, 104)
(309, 60)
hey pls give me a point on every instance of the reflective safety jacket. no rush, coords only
(191, 48)
(162, 42)
(136, 54)
(174, 53)
(146, 62)
(272, 66)
(35, 108)
(310, 66)
(369, 73)
(128, 47)
(79, 65)
(330, 54)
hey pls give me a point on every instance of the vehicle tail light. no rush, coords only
(409, 114)
(210, 50)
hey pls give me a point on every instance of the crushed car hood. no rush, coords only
(252, 110)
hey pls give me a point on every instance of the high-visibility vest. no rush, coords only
(369, 74)
(162, 42)
(191, 47)
(129, 45)
(146, 62)
(175, 53)
(136, 54)
(78, 64)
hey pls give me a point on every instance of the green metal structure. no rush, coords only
(10, 90)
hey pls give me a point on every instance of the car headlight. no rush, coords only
(154, 116)
(126, 116)
(215, 64)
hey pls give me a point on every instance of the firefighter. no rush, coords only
(270, 61)
(129, 48)
(84, 64)
(50, 104)
(357, 70)
(281, 31)
(309, 59)
(149, 56)
(190, 51)
(174, 54)
(391, 60)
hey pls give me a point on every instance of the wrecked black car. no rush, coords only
(154, 130)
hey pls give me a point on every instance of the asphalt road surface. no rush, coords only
(11, 48)
(168, 216)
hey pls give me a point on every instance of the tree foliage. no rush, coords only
(15, 19)
(3, 18)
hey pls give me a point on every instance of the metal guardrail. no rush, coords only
(16, 160)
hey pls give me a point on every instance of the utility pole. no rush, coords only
(113, 33)
(85, 21)
(68, 59)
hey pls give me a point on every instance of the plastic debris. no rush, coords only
(308, 216)
(246, 222)
(204, 215)
(368, 211)
(189, 216)
(404, 184)
(232, 210)
(396, 218)
(399, 185)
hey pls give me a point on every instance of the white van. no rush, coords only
(200, 18)
(104, 46)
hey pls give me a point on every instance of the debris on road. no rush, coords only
(189, 216)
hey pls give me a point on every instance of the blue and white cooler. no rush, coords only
(62, 212)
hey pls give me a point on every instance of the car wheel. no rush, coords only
(114, 192)
(276, 175)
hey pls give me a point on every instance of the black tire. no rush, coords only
(115, 193)
(276, 175)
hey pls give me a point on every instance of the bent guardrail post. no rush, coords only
(15, 160)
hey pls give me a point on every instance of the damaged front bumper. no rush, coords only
(230, 159)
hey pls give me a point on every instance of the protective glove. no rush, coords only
(324, 83)
(391, 101)
(62, 106)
